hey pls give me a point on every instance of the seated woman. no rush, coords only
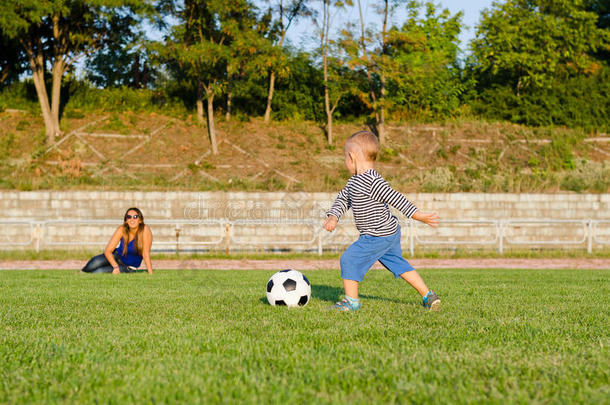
(134, 239)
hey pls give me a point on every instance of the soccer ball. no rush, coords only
(288, 287)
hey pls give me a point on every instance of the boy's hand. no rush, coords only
(430, 218)
(330, 223)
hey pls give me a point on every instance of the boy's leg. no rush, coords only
(356, 261)
(351, 288)
(429, 298)
(351, 302)
(412, 277)
(394, 262)
(401, 268)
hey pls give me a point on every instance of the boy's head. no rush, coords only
(366, 142)
(361, 150)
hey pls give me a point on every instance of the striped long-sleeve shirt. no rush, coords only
(368, 195)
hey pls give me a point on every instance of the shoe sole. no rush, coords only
(435, 306)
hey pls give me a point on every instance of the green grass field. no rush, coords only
(503, 336)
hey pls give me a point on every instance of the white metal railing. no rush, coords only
(33, 232)
(216, 232)
(178, 227)
(414, 238)
(593, 231)
(314, 225)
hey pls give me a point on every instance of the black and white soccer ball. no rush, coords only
(289, 288)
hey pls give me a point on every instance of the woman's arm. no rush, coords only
(116, 237)
(146, 248)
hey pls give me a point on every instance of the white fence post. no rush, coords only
(411, 237)
(590, 236)
(320, 243)
(501, 237)
(38, 234)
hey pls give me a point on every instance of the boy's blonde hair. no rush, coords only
(367, 142)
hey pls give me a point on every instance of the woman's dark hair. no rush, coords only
(139, 232)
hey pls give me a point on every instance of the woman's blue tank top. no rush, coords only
(132, 258)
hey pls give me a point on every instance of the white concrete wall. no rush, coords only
(291, 220)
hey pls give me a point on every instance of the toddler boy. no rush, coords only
(368, 195)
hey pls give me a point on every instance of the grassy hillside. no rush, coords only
(156, 152)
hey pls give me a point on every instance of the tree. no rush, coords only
(420, 63)
(408, 67)
(248, 50)
(527, 43)
(200, 49)
(56, 33)
(287, 12)
(370, 66)
(330, 64)
(533, 59)
(124, 61)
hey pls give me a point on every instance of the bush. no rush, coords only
(577, 102)
(587, 176)
(441, 179)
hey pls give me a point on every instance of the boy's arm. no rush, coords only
(429, 218)
(340, 205)
(382, 192)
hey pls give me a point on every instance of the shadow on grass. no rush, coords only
(333, 294)
(326, 292)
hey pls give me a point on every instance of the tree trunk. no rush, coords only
(329, 116)
(37, 66)
(211, 131)
(229, 99)
(324, 40)
(57, 72)
(59, 67)
(200, 102)
(368, 70)
(270, 97)
(5, 72)
(381, 122)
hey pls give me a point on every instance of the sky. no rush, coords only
(301, 34)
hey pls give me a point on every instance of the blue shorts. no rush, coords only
(362, 254)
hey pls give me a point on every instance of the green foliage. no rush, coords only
(421, 64)
(525, 43)
(19, 95)
(211, 44)
(577, 102)
(535, 63)
(82, 96)
(300, 95)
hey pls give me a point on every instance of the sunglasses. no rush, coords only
(136, 216)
